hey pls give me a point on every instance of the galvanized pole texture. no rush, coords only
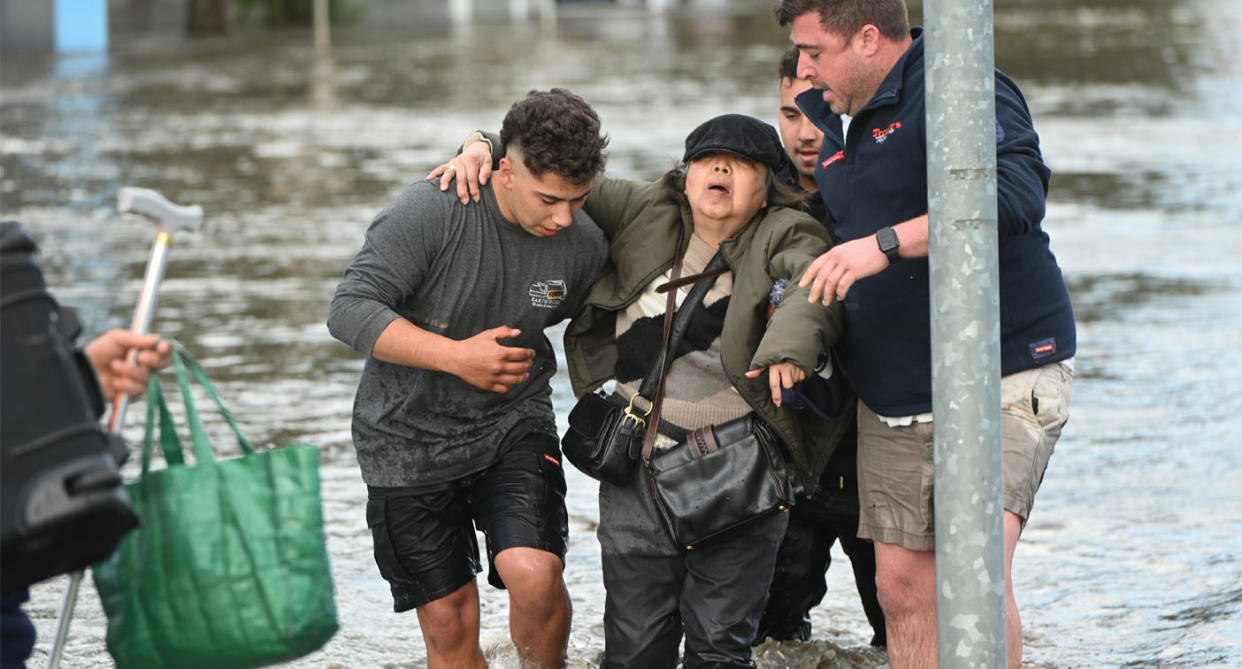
(965, 321)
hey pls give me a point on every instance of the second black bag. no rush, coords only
(605, 438)
(62, 505)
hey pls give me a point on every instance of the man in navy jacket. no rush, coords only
(866, 62)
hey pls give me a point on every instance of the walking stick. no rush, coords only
(168, 218)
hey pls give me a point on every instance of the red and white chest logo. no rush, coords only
(839, 155)
(881, 134)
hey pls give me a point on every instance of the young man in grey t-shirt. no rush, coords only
(453, 421)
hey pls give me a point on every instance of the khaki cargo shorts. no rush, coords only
(895, 472)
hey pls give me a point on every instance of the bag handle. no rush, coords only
(198, 435)
(170, 443)
(184, 366)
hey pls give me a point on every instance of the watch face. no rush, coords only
(887, 239)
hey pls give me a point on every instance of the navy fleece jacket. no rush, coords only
(877, 176)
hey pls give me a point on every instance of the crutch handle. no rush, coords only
(146, 202)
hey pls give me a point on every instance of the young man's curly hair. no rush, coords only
(555, 131)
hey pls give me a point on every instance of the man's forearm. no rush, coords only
(482, 360)
(404, 343)
(914, 237)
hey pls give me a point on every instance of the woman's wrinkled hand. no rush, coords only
(780, 375)
(471, 168)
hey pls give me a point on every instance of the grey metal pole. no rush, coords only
(965, 321)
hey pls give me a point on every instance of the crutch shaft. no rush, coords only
(167, 216)
(143, 315)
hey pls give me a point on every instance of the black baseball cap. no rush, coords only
(741, 135)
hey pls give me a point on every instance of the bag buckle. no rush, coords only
(641, 421)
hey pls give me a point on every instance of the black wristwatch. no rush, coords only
(887, 239)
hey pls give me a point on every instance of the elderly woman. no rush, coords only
(733, 360)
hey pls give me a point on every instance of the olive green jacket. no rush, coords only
(643, 224)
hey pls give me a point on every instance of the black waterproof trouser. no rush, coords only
(799, 580)
(799, 584)
(714, 594)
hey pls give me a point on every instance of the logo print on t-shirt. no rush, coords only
(547, 294)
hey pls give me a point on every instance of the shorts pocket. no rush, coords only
(552, 494)
(1050, 397)
(385, 552)
(552, 469)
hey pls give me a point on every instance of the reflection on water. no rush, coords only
(1109, 296)
(1132, 555)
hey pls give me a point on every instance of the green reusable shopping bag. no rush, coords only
(229, 567)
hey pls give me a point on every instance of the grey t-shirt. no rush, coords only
(455, 270)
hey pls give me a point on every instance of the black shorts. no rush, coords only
(424, 536)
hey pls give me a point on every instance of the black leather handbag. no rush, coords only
(604, 440)
(720, 477)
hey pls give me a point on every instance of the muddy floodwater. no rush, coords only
(1133, 556)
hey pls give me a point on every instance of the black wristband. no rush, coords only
(887, 240)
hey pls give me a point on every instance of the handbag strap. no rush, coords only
(658, 369)
(653, 382)
(707, 273)
(706, 279)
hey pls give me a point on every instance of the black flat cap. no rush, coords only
(741, 135)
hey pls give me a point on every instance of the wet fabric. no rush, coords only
(799, 581)
(454, 270)
(424, 536)
(656, 594)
